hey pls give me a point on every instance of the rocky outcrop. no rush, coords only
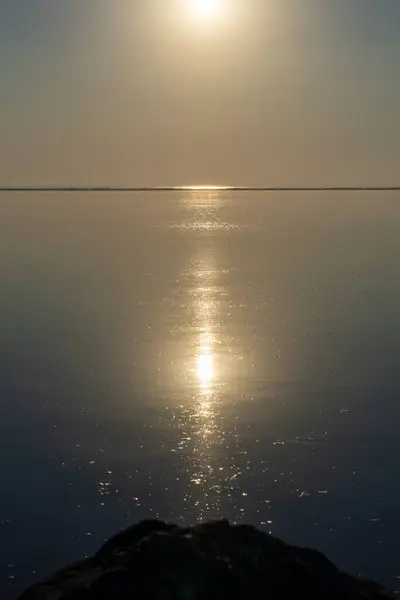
(155, 560)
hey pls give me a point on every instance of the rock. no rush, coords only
(157, 561)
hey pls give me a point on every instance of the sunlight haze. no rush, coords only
(240, 93)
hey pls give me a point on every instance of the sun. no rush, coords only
(206, 9)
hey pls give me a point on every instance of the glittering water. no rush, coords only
(195, 355)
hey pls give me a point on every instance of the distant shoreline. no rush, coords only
(201, 189)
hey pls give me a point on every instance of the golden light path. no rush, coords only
(203, 440)
(200, 418)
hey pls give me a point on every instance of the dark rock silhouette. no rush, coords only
(154, 560)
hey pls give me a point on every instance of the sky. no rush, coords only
(141, 92)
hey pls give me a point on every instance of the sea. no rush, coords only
(199, 354)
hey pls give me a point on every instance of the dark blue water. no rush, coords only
(196, 355)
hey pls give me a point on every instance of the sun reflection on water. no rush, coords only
(205, 370)
(204, 440)
(203, 277)
(205, 359)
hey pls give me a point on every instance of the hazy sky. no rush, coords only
(273, 92)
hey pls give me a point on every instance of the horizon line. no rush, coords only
(201, 188)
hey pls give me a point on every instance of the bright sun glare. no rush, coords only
(205, 369)
(206, 8)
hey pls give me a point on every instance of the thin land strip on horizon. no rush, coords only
(201, 188)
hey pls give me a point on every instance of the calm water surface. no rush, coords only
(198, 355)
